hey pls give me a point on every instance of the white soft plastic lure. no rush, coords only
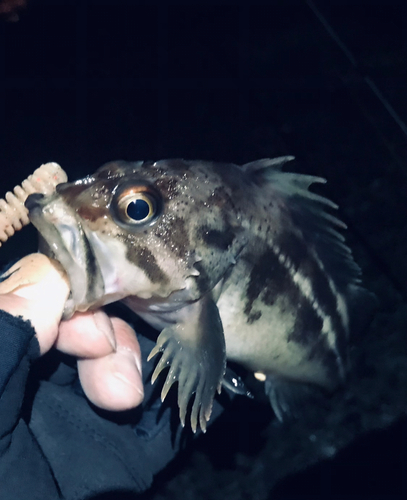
(13, 214)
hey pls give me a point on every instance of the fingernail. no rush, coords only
(104, 325)
(128, 370)
(128, 352)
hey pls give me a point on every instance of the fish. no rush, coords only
(229, 263)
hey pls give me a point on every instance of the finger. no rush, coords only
(114, 382)
(87, 335)
(36, 289)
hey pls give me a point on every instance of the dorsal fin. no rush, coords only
(309, 213)
(276, 163)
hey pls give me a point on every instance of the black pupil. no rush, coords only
(138, 210)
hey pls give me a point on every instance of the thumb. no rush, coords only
(36, 288)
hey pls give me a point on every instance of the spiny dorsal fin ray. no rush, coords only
(276, 163)
(308, 212)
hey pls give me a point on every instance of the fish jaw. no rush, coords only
(62, 237)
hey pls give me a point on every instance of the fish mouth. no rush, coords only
(62, 237)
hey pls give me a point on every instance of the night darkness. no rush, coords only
(84, 83)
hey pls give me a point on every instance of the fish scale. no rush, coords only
(227, 262)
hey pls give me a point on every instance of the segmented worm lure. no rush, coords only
(13, 214)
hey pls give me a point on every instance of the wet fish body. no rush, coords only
(228, 262)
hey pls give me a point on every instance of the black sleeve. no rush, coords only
(55, 444)
(21, 459)
(96, 454)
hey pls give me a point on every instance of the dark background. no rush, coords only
(84, 83)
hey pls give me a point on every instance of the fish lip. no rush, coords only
(64, 240)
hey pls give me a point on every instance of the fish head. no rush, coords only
(149, 230)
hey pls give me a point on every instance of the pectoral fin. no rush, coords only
(194, 348)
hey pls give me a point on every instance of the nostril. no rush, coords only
(33, 200)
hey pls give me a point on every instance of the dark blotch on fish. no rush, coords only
(307, 324)
(221, 239)
(144, 259)
(295, 248)
(253, 317)
(268, 278)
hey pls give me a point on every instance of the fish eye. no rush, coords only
(136, 207)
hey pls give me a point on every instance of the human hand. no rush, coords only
(109, 359)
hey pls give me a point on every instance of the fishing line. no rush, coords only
(370, 83)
